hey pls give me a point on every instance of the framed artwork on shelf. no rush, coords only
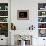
(42, 32)
(22, 14)
(41, 13)
(3, 19)
(4, 29)
(41, 25)
(41, 6)
(3, 6)
(3, 13)
(41, 19)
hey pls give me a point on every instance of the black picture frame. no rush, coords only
(22, 14)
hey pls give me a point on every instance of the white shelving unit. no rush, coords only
(4, 17)
(42, 19)
(4, 23)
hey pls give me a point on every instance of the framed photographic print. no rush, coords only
(22, 14)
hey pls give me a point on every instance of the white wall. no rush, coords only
(32, 6)
(24, 5)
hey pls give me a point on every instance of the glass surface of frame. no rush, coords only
(22, 14)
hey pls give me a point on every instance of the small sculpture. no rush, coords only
(13, 27)
(31, 27)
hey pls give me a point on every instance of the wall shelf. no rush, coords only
(3, 10)
(41, 10)
(41, 28)
(41, 22)
(3, 16)
(3, 22)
